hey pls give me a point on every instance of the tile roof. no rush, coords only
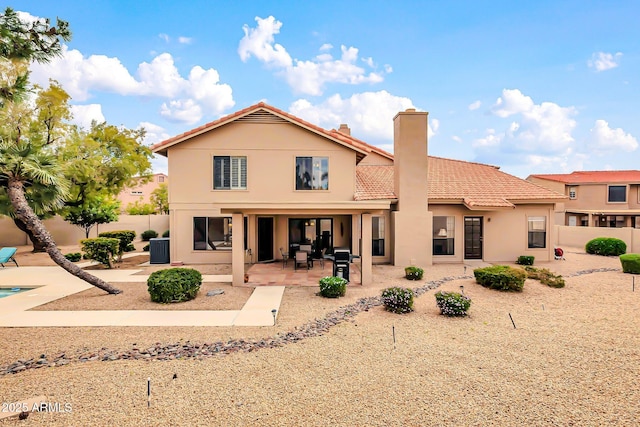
(593, 177)
(455, 181)
(347, 140)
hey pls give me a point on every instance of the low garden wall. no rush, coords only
(578, 237)
(68, 234)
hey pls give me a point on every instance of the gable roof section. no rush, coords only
(593, 177)
(263, 113)
(477, 186)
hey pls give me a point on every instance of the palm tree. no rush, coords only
(24, 165)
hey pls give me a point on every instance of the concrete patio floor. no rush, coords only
(52, 283)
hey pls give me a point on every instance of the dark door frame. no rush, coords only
(473, 237)
(265, 239)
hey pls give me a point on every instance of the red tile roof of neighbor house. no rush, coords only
(593, 177)
(476, 185)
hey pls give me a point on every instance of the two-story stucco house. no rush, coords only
(261, 179)
(596, 198)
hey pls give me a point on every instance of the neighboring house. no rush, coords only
(260, 180)
(142, 191)
(596, 198)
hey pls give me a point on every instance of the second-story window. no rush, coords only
(617, 194)
(572, 193)
(312, 173)
(229, 172)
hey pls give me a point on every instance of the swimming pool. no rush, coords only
(6, 292)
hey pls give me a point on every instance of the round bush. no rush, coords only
(630, 263)
(525, 260)
(146, 247)
(148, 234)
(501, 277)
(333, 287)
(174, 285)
(398, 300)
(606, 246)
(165, 234)
(413, 273)
(452, 303)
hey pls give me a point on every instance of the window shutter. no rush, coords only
(217, 172)
(243, 172)
(234, 171)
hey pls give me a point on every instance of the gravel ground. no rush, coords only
(573, 359)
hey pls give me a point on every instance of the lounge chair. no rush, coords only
(6, 255)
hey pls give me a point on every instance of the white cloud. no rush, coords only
(154, 134)
(164, 37)
(605, 139)
(475, 105)
(456, 138)
(368, 114)
(83, 115)
(602, 61)
(199, 93)
(538, 127)
(185, 40)
(305, 76)
(259, 42)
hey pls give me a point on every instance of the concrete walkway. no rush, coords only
(52, 283)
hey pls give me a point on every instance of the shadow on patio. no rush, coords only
(274, 273)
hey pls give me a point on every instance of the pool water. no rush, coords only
(5, 292)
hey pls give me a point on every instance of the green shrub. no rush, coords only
(148, 234)
(501, 277)
(398, 300)
(545, 277)
(146, 247)
(165, 234)
(630, 263)
(606, 246)
(452, 303)
(413, 273)
(73, 256)
(525, 260)
(126, 240)
(174, 285)
(333, 287)
(101, 249)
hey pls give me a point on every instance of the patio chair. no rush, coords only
(302, 257)
(285, 257)
(320, 258)
(6, 255)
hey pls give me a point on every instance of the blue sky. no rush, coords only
(532, 87)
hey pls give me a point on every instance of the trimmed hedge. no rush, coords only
(126, 240)
(525, 260)
(606, 246)
(73, 256)
(413, 273)
(501, 277)
(398, 300)
(630, 263)
(174, 285)
(452, 303)
(101, 249)
(333, 287)
(148, 234)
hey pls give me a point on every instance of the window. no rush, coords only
(377, 235)
(537, 232)
(312, 173)
(229, 173)
(136, 192)
(212, 233)
(617, 194)
(160, 178)
(572, 193)
(443, 232)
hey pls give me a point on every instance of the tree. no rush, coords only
(97, 210)
(160, 199)
(140, 208)
(29, 163)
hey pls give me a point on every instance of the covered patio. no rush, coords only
(278, 274)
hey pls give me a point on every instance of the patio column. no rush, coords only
(237, 249)
(365, 256)
(355, 233)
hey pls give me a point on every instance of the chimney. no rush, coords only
(344, 129)
(413, 223)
